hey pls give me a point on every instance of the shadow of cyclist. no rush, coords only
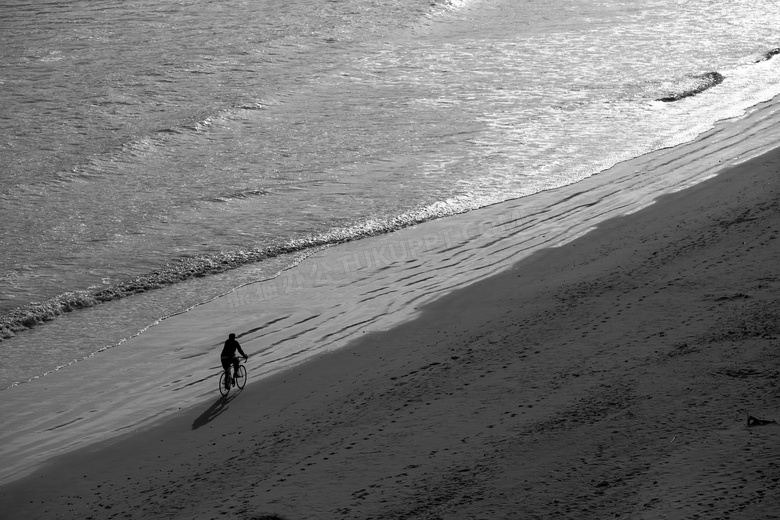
(219, 406)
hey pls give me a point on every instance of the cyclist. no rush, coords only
(229, 357)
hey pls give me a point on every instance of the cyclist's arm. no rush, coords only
(242, 352)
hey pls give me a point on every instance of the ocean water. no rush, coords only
(148, 143)
(157, 155)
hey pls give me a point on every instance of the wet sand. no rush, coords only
(611, 377)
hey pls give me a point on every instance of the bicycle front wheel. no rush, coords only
(241, 376)
(223, 389)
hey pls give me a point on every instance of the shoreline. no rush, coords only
(592, 379)
(731, 149)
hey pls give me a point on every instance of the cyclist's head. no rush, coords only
(232, 336)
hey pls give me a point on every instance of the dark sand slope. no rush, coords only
(612, 377)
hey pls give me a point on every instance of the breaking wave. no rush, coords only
(694, 85)
(769, 55)
(37, 313)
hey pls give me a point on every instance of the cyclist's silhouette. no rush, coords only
(229, 357)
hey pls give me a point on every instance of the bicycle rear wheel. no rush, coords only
(222, 388)
(241, 376)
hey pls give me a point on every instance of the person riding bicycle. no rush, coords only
(229, 357)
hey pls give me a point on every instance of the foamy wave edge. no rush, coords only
(37, 313)
(297, 261)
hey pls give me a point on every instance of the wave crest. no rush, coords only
(34, 314)
(695, 85)
(769, 55)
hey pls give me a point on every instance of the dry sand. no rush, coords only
(612, 377)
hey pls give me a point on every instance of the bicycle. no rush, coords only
(235, 376)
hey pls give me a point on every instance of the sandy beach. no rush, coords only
(631, 373)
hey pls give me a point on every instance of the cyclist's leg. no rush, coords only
(226, 365)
